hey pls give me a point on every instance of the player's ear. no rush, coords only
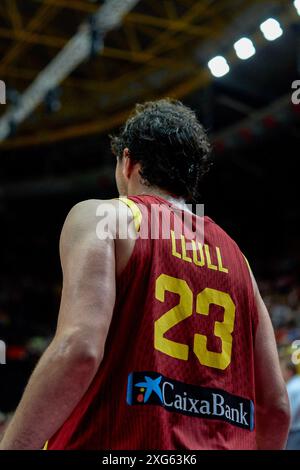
(127, 163)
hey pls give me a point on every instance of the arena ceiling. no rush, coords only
(161, 48)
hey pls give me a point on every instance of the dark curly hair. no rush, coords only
(170, 144)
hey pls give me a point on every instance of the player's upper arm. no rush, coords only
(270, 387)
(88, 294)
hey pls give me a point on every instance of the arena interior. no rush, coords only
(235, 62)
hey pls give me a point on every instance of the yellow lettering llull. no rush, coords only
(197, 261)
(183, 310)
(208, 258)
(222, 269)
(174, 251)
(183, 248)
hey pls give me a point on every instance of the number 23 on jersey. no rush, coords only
(183, 310)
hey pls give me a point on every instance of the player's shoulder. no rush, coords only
(83, 217)
(95, 214)
(92, 208)
(88, 207)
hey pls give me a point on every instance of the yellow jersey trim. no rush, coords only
(137, 215)
(250, 270)
(46, 446)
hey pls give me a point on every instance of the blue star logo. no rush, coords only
(151, 386)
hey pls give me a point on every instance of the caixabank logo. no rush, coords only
(151, 388)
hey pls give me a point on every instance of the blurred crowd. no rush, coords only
(282, 298)
(28, 313)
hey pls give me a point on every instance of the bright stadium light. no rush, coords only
(244, 48)
(218, 66)
(271, 29)
(297, 6)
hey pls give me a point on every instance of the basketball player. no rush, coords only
(161, 343)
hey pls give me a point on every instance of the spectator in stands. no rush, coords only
(292, 379)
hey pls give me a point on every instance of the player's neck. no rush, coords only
(154, 191)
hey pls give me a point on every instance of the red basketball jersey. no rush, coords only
(178, 367)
